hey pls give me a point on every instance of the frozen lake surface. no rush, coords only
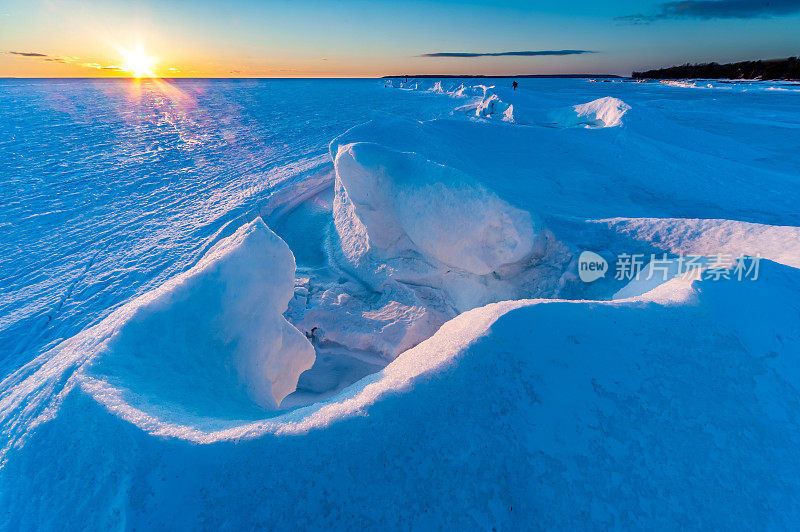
(337, 303)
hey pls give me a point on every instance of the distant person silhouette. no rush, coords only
(514, 85)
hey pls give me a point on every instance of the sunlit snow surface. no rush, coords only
(463, 376)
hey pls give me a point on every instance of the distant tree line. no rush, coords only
(788, 68)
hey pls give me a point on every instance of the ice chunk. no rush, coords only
(402, 218)
(494, 107)
(397, 201)
(215, 336)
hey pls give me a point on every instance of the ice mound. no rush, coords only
(422, 242)
(600, 113)
(213, 341)
(401, 217)
(403, 201)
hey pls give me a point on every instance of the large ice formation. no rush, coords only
(215, 336)
(403, 218)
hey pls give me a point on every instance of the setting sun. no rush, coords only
(138, 63)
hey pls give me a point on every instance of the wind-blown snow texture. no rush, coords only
(463, 376)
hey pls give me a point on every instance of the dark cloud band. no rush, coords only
(710, 9)
(498, 54)
(29, 54)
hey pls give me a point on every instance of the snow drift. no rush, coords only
(589, 428)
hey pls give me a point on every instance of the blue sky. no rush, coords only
(371, 38)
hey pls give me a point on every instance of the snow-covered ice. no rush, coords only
(602, 112)
(399, 207)
(214, 336)
(382, 323)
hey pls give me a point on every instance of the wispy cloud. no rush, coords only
(66, 60)
(497, 54)
(710, 9)
(43, 57)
